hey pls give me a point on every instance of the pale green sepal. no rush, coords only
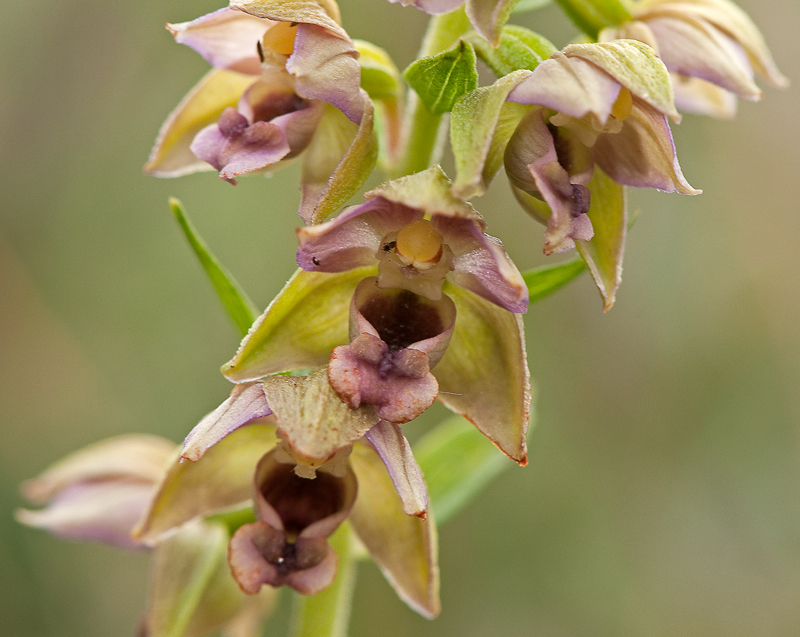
(237, 304)
(519, 48)
(301, 326)
(312, 417)
(323, 13)
(171, 155)
(337, 162)
(403, 546)
(379, 75)
(489, 17)
(547, 279)
(191, 592)
(484, 374)
(603, 252)
(530, 5)
(480, 126)
(634, 65)
(429, 190)
(592, 16)
(221, 479)
(441, 79)
(458, 462)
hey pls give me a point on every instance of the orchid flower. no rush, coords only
(711, 47)
(271, 443)
(101, 493)
(593, 104)
(285, 80)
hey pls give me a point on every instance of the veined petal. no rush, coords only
(484, 373)
(693, 95)
(221, 479)
(394, 450)
(569, 85)
(301, 326)
(171, 155)
(311, 416)
(247, 403)
(323, 13)
(643, 154)
(325, 67)
(432, 7)
(225, 38)
(481, 264)
(489, 17)
(351, 239)
(403, 546)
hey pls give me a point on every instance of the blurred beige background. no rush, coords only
(661, 495)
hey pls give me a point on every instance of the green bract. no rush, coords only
(441, 79)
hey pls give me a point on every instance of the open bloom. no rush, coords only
(419, 235)
(595, 104)
(711, 47)
(272, 443)
(101, 493)
(285, 80)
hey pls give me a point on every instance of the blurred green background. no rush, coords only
(661, 494)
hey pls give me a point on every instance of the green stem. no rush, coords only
(421, 125)
(328, 613)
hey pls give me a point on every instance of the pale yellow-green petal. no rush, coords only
(323, 13)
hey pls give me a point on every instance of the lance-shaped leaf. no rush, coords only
(234, 300)
(337, 162)
(484, 374)
(191, 591)
(545, 280)
(489, 17)
(519, 48)
(171, 155)
(481, 124)
(220, 480)
(603, 252)
(403, 546)
(312, 417)
(441, 79)
(301, 326)
(458, 462)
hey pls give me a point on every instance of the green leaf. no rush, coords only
(239, 307)
(458, 462)
(519, 48)
(592, 16)
(547, 279)
(441, 79)
(530, 5)
(603, 252)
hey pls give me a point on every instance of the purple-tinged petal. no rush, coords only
(226, 39)
(481, 264)
(484, 373)
(171, 155)
(643, 154)
(403, 546)
(325, 67)
(247, 403)
(96, 511)
(219, 480)
(351, 239)
(571, 86)
(394, 450)
(489, 17)
(431, 7)
(694, 48)
(693, 95)
(259, 554)
(312, 417)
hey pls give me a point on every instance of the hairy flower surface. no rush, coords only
(419, 235)
(595, 104)
(711, 47)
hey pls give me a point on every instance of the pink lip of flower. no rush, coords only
(363, 235)
(603, 118)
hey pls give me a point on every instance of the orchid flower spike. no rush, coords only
(420, 235)
(711, 47)
(275, 69)
(594, 104)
